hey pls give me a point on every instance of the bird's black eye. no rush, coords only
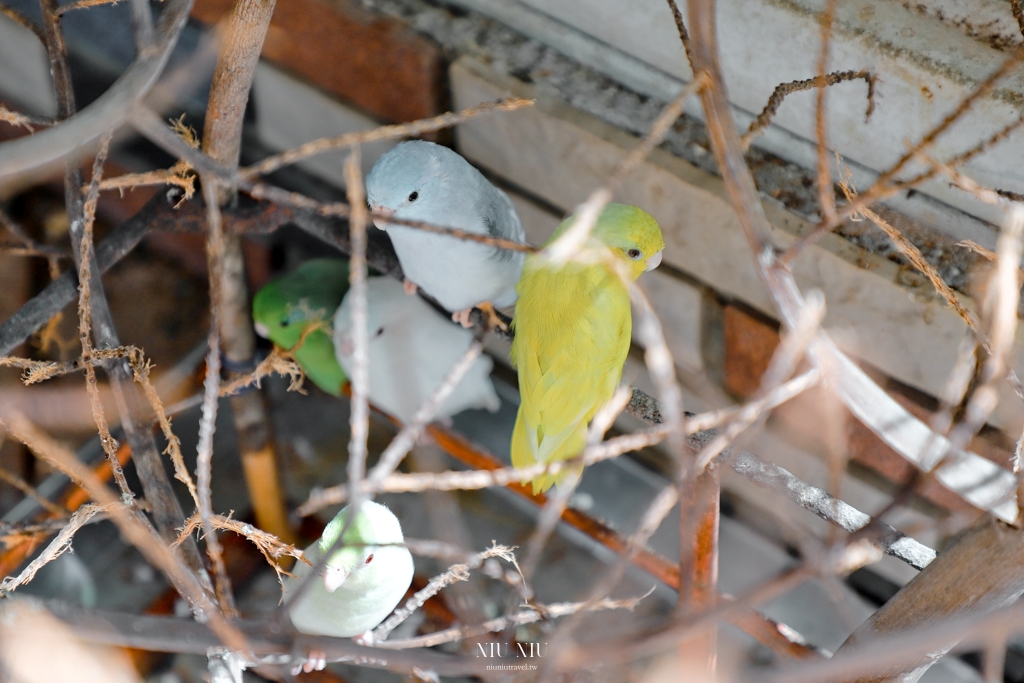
(378, 332)
(634, 253)
(285, 322)
(414, 196)
(369, 559)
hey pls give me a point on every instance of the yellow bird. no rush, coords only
(572, 329)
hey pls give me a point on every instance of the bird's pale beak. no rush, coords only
(262, 330)
(376, 208)
(653, 262)
(334, 577)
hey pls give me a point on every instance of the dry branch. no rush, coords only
(526, 616)
(458, 572)
(171, 634)
(269, 545)
(413, 128)
(978, 480)
(57, 547)
(783, 90)
(131, 523)
(884, 184)
(243, 35)
(359, 419)
(166, 510)
(211, 394)
(108, 111)
(909, 252)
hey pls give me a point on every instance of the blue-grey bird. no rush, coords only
(423, 181)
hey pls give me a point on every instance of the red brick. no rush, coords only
(376, 63)
(750, 341)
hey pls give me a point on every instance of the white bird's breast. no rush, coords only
(413, 353)
(458, 273)
(352, 609)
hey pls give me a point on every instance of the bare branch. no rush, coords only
(406, 438)
(360, 417)
(413, 128)
(23, 486)
(108, 111)
(882, 186)
(56, 548)
(211, 392)
(527, 616)
(783, 90)
(458, 572)
(131, 523)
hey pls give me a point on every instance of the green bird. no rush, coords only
(283, 309)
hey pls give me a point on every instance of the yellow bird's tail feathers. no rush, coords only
(526, 444)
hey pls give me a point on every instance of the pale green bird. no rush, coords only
(284, 308)
(572, 329)
(362, 581)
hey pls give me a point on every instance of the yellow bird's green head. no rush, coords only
(630, 232)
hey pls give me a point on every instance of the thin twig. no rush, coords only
(882, 185)
(131, 523)
(12, 533)
(526, 616)
(684, 35)
(360, 356)
(268, 544)
(280, 362)
(26, 488)
(85, 321)
(480, 479)
(57, 547)
(82, 4)
(783, 90)
(19, 120)
(754, 410)
(130, 181)
(908, 250)
(342, 210)
(826, 193)
(211, 392)
(457, 572)
(400, 445)
(413, 128)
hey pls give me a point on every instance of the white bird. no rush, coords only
(412, 348)
(362, 582)
(423, 181)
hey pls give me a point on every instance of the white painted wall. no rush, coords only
(926, 66)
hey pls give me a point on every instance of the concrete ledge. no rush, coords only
(561, 154)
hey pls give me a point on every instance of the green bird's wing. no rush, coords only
(285, 307)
